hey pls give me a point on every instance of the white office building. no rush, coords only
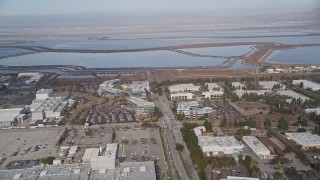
(107, 88)
(182, 96)
(45, 106)
(10, 116)
(199, 130)
(238, 86)
(212, 94)
(141, 106)
(293, 95)
(307, 84)
(219, 145)
(139, 89)
(184, 88)
(193, 109)
(268, 85)
(305, 139)
(257, 147)
(107, 161)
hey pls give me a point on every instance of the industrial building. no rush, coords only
(182, 96)
(305, 139)
(257, 147)
(184, 88)
(315, 110)
(141, 106)
(193, 109)
(307, 84)
(293, 95)
(220, 145)
(90, 153)
(139, 89)
(108, 160)
(136, 171)
(10, 116)
(240, 93)
(268, 85)
(46, 106)
(199, 130)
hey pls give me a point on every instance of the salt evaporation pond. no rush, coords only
(306, 55)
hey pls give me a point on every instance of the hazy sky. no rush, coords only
(221, 7)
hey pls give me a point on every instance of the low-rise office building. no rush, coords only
(139, 89)
(182, 96)
(315, 110)
(293, 95)
(268, 85)
(212, 94)
(240, 93)
(108, 88)
(184, 88)
(257, 147)
(305, 139)
(193, 109)
(219, 145)
(307, 84)
(141, 106)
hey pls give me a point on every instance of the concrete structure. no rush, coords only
(238, 86)
(108, 161)
(268, 85)
(44, 94)
(46, 106)
(315, 110)
(90, 153)
(199, 130)
(212, 94)
(10, 116)
(193, 109)
(108, 88)
(257, 147)
(184, 88)
(240, 93)
(141, 106)
(136, 171)
(293, 95)
(307, 84)
(305, 139)
(220, 145)
(182, 96)
(139, 89)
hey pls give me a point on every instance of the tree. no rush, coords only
(208, 126)
(283, 124)
(268, 123)
(48, 160)
(179, 147)
(301, 85)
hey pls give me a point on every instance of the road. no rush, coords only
(174, 136)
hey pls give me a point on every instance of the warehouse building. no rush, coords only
(199, 130)
(193, 109)
(268, 85)
(141, 106)
(184, 88)
(90, 153)
(46, 106)
(307, 140)
(139, 89)
(307, 84)
(182, 96)
(220, 145)
(257, 147)
(293, 95)
(108, 160)
(10, 116)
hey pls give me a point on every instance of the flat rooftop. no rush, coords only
(140, 101)
(293, 94)
(221, 141)
(213, 87)
(307, 84)
(270, 84)
(305, 138)
(136, 171)
(184, 87)
(255, 144)
(111, 151)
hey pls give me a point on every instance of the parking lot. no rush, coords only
(221, 110)
(141, 144)
(107, 114)
(28, 144)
